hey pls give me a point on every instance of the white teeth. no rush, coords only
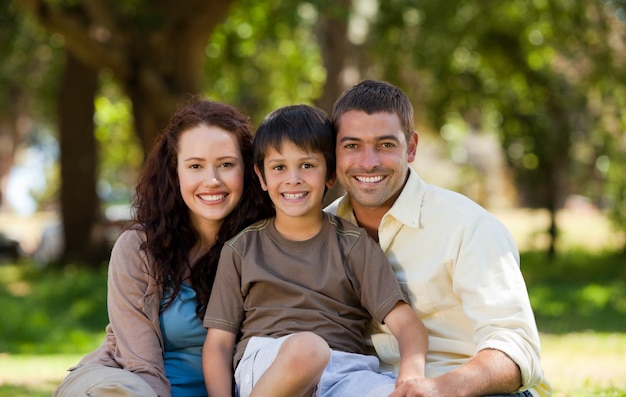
(212, 197)
(293, 196)
(369, 179)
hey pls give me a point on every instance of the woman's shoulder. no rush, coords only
(129, 247)
(131, 237)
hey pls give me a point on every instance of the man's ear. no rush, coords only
(412, 146)
(261, 179)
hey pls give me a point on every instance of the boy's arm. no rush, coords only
(217, 362)
(412, 341)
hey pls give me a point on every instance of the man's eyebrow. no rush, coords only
(380, 138)
(349, 138)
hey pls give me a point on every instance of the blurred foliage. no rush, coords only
(30, 64)
(260, 61)
(577, 291)
(50, 310)
(120, 152)
(548, 76)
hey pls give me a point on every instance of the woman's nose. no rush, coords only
(212, 177)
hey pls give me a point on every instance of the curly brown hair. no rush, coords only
(159, 209)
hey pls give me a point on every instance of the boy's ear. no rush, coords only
(330, 183)
(261, 179)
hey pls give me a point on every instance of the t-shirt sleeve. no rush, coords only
(225, 308)
(375, 279)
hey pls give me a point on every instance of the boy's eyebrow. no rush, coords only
(282, 158)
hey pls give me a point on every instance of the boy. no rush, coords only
(299, 288)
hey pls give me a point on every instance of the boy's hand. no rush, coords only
(416, 387)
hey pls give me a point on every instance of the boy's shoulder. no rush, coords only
(250, 231)
(344, 227)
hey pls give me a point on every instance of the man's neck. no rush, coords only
(369, 219)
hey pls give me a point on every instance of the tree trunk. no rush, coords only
(15, 121)
(79, 202)
(332, 35)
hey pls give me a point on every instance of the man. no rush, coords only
(458, 263)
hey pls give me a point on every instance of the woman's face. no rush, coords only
(210, 172)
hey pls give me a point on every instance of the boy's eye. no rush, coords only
(278, 167)
(307, 165)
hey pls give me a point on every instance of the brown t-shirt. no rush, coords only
(332, 284)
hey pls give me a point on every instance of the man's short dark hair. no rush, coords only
(371, 96)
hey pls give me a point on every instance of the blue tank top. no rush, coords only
(183, 335)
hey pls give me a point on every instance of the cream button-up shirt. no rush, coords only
(460, 267)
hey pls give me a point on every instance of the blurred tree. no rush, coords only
(266, 55)
(28, 60)
(155, 50)
(538, 73)
(80, 207)
(270, 54)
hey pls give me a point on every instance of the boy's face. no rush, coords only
(295, 180)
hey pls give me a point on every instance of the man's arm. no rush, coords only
(217, 362)
(488, 372)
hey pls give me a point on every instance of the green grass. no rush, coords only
(578, 291)
(52, 317)
(50, 311)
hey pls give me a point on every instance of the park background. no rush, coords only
(519, 105)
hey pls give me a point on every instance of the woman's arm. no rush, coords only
(133, 302)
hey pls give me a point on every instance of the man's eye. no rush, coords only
(350, 146)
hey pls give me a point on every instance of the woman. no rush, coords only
(197, 190)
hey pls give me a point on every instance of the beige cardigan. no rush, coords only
(133, 337)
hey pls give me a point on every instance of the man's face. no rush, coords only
(372, 157)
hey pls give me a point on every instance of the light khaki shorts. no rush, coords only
(97, 380)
